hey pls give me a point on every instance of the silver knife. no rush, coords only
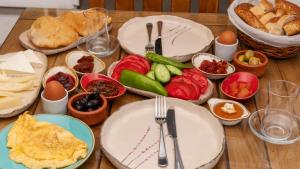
(171, 123)
(158, 45)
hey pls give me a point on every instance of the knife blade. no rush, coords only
(158, 43)
(171, 123)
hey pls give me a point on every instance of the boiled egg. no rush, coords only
(54, 90)
(227, 38)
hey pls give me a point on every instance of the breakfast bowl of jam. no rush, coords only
(227, 111)
(106, 86)
(65, 76)
(90, 107)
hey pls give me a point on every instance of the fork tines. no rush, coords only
(160, 107)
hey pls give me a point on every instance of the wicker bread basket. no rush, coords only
(270, 51)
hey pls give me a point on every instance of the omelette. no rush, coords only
(40, 145)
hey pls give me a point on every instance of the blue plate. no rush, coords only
(78, 128)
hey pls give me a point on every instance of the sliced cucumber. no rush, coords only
(162, 73)
(174, 70)
(153, 66)
(151, 74)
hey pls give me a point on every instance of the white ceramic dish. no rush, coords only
(28, 97)
(199, 58)
(228, 122)
(203, 98)
(200, 136)
(26, 43)
(72, 58)
(181, 38)
(52, 71)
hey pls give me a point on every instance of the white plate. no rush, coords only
(129, 137)
(203, 98)
(26, 43)
(181, 38)
(28, 97)
(74, 56)
(199, 58)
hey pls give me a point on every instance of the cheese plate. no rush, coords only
(20, 88)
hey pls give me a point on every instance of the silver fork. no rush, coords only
(160, 118)
(149, 47)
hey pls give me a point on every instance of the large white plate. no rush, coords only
(26, 43)
(181, 38)
(28, 97)
(203, 98)
(129, 137)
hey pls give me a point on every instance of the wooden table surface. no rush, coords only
(243, 149)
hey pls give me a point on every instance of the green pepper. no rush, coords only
(166, 61)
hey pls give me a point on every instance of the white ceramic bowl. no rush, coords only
(72, 58)
(228, 122)
(200, 57)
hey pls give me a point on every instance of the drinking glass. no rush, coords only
(279, 122)
(98, 41)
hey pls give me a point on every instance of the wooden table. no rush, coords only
(243, 149)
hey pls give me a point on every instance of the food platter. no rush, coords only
(28, 97)
(75, 126)
(119, 145)
(203, 98)
(176, 33)
(26, 43)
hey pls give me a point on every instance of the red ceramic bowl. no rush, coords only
(250, 79)
(89, 77)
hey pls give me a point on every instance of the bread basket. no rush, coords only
(274, 46)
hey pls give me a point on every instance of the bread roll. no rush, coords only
(243, 10)
(280, 12)
(258, 11)
(266, 5)
(267, 17)
(274, 28)
(287, 7)
(285, 19)
(49, 32)
(292, 28)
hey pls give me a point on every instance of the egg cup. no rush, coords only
(55, 106)
(225, 52)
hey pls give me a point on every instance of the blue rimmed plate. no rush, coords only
(78, 128)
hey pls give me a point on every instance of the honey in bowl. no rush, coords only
(231, 115)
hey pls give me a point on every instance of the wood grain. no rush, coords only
(125, 5)
(152, 5)
(180, 5)
(211, 6)
(96, 3)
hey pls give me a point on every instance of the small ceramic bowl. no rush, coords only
(200, 57)
(89, 77)
(52, 71)
(225, 121)
(250, 79)
(258, 70)
(92, 117)
(72, 58)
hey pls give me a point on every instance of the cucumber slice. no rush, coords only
(153, 66)
(162, 73)
(151, 74)
(174, 70)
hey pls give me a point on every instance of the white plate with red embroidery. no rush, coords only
(129, 137)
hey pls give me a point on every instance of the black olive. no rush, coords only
(79, 107)
(84, 100)
(95, 102)
(90, 109)
(77, 102)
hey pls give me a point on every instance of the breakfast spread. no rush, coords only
(281, 19)
(89, 102)
(216, 67)
(85, 64)
(228, 110)
(38, 144)
(65, 79)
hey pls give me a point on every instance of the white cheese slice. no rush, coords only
(228, 108)
(15, 63)
(9, 102)
(33, 59)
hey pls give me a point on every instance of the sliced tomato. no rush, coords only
(180, 90)
(128, 66)
(134, 63)
(183, 79)
(140, 59)
(198, 79)
(193, 70)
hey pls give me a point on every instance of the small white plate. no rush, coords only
(181, 38)
(203, 98)
(72, 58)
(228, 122)
(129, 137)
(199, 58)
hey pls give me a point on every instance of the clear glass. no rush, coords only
(99, 42)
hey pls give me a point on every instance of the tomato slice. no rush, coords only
(198, 79)
(183, 79)
(139, 59)
(134, 63)
(180, 90)
(128, 66)
(193, 70)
